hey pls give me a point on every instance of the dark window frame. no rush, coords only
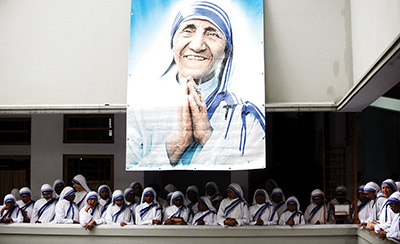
(20, 131)
(68, 128)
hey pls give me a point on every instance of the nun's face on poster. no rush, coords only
(199, 49)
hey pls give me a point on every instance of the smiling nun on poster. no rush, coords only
(189, 90)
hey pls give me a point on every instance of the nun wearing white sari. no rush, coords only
(292, 215)
(118, 213)
(362, 205)
(207, 214)
(104, 193)
(262, 209)
(192, 196)
(386, 215)
(148, 212)
(371, 190)
(177, 213)
(58, 186)
(26, 203)
(233, 210)
(393, 232)
(90, 214)
(44, 210)
(80, 185)
(212, 191)
(317, 211)
(10, 212)
(278, 202)
(129, 195)
(67, 211)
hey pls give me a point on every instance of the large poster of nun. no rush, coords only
(196, 86)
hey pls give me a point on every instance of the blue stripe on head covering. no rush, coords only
(206, 11)
(70, 193)
(292, 201)
(117, 198)
(177, 197)
(234, 190)
(317, 196)
(391, 184)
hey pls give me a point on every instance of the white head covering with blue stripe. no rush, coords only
(9, 198)
(391, 184)
(66, 192)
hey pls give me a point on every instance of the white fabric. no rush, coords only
(209, 219)
(241, 213)
(363, 214)
(113, 209)
(162, 106)
(171, 210)
(266, 216)
(91, 214)
(62, 215)
(298, 218)
(393, 233)
(385, 217)
(16, 214)
(321, 215)
(48, 214)
(192, 205)
(29, 209)
(155, 213)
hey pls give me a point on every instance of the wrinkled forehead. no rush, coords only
(202, 10)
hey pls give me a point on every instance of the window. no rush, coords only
(15, 131)
(97, 169)
(89, 128)
(15, 172)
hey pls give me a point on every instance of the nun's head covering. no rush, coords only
(176, 195)
(169, 196)
(213, 185)
(391, 184)
(57, 183)
(46, 188)
(192, 189)
(15, 192)
(360, 188)
(170, 188)
(264, 192)
(206, 201)
(372, 187)
(210, 12)
(341, 189)
(66, 192)
(117, 194)
(236, 188)
(102, 187)
(128, 191)
(134, 184)
(91, 195)
(317, 193)
(9, 198)
(294, 200)
(278, 192)
(146, 191)
(81, 180)
(398, 185)
(394, 198)
(25, 191)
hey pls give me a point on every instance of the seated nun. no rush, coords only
(213, 193)
(44, 210)
(233, 210)
(278, 202)
(67, 211)
(261, 210)
(207, 214)
(148, 212)
(393, 232)
(192, 196)
(317, 211)
(104, 193)
(119, 213)
(10, 212)
(386, 215)
(26, 203)
(292, 215)
(90, 214)
(177, 213)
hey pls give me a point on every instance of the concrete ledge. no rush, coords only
(75, 234)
